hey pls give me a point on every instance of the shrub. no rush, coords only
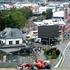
(52, 53)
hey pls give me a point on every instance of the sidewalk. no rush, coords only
(41, 55)
(8, 69)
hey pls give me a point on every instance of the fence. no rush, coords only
(13, 62)
(8, 65)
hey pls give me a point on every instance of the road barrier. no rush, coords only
(8, 65)
(58, 61)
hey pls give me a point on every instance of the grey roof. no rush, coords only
(8, 50)
(11, 33)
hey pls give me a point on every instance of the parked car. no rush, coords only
(25, 51)
(38, 64)
(26, 66)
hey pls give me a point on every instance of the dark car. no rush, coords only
(26, 51)
(25, 66)
(23, 51)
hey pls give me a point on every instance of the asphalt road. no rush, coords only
(65, 50)
(66, 54)
(62, 46)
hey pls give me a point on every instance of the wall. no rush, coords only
(13, 41)
(67, 12)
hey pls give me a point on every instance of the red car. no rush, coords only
(25, 66)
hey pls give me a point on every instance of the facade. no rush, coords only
(52, 22)
(58, 15)
(48, 33)
(32, 34)
(11, 40)
(67, 18)
(67, 12)
(11, 36)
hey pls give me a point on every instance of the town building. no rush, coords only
(48, 33)
(51, 22)
(11, 36)
(67, 12)
(11, 40)
(58, 14)
(67, 19)
(32, 34)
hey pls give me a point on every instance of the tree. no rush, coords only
(27, 12)
(14, 17)
(9, 22)
(19, 19)
(49, 13)
(43, 13)
(2, 23)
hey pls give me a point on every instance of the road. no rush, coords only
(62, 46)
(65, 50)
(66, 54)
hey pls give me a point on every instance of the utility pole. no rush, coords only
(50, 45)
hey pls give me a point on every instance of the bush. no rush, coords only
(45, 50)
(52, 53)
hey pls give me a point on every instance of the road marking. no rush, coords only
(64, 53)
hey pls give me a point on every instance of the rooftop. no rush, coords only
(59, 14)
(11, 33)
(49, 22)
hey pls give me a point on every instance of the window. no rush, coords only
(69, 5)
(69, 14)
(17, 42)
(10, 42)
(0, 41)
(27, 36)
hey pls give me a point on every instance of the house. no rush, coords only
(58, 15)
(11, 36)
(32, 34)
(11, 40)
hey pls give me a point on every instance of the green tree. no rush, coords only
(19, 19)
(49, 13)
(27, 12)
(14, 17)
(43, 13)
(2, 23)
(9, 22)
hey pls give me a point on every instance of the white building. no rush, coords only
(11, 36)
(21, 5)
(32, 34)
(58, 14)
(50, 22)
